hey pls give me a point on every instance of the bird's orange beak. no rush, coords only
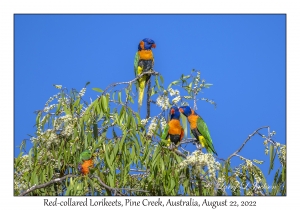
(172, 111)
(181, 110)
(153, 45)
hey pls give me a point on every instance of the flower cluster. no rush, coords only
(176, 99)
(145, 121)
(58, 86)
(47, 138)
(163, 123)
(221, 181)
(48, 108)
(82, 92)
(173, 92)
(163, 102)
(282, 154)
(197, 79)
(200, 159)
(152, 126)
(66, 123)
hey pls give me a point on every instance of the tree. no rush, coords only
(129, 156)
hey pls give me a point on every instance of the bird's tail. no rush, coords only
(209, 147)
(142, 84)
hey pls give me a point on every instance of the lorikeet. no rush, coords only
(173, 131)
(143, 62)
(86, 161)
(199, 128)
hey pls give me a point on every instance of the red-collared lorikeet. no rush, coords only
(143, 62)
(199, 128)
(173, 131)
(86, 161)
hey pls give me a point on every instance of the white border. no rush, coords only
(10, 7)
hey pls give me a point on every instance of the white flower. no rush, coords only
(152, 126)
(173, 92)
(200, 159)
(249, 163)
(82, 92)
(58, 86)
(145, 121)
(266, 151)
(176, 99)
(184, 103)
(163, 123)
(163, 102)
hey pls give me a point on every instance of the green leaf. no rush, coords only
(122, 140)
(119, 97)
(271, 158)
(190, 87)
(38, 118)
(104, 103)
(174, 83)
(156, 82)
(161, 79)
(226, 171)
(207, 85)
(186, 77)
(67, 111)
(184, 124)
(152, 91)
(58, 108)
(30, 156)
(98, 90)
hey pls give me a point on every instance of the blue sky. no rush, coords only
(243, 56)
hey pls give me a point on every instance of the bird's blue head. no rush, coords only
(146, 44)
(174, 112)
(186, 110)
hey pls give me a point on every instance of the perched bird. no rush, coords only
(199, 128)
(143, 62)
(86, 161)
(173, 131)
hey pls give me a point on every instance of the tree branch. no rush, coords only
(46, 184)
(249, 137)
(152, 72)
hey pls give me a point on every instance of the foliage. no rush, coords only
(129, 157)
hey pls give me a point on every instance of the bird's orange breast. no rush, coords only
(193, 121)
(146, 54)
(85, 166)
(175, 127)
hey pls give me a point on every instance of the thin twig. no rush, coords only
(249, 137)
(152, 72)
(105, 185)
(179, 153)
(46, 184)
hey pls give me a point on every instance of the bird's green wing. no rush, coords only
(85, 155)
(136, 62)
(202, 127)
(165, 132)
